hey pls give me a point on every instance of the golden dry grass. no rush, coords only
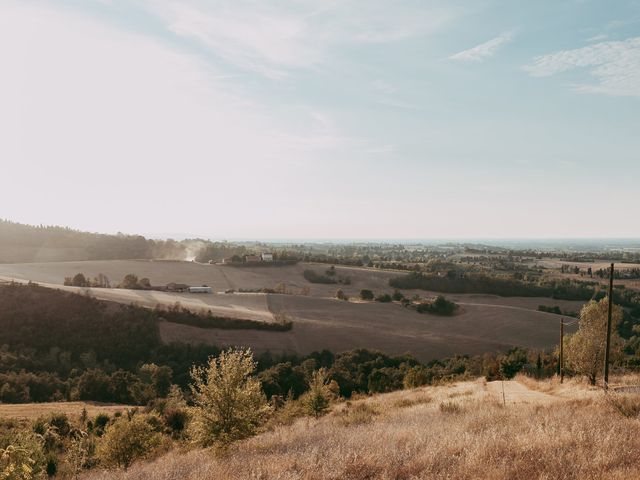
(31, 411)
(403, 435)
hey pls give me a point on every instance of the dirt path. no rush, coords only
(515, 392)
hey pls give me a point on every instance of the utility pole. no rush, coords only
(606, 352)
(561, 362)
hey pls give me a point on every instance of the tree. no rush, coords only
(79, 280)
(144, 283)
(130, 281)
(316, 400)
(229, 402)
(585, 349)
(340, 295)
(384, 298)
(127, 440)
(366, 294)
(397, 296)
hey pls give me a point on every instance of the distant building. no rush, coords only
(252, 258)
(177, 287)
(200, 290)
(267, 257)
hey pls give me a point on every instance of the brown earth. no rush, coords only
(484, 322)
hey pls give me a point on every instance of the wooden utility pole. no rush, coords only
(606, 352)
(561, 362)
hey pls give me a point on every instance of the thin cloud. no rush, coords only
(273, 39)
(484, 50)
(614, 65)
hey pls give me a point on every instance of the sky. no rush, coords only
(300, 119)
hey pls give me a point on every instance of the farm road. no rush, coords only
(516, 392)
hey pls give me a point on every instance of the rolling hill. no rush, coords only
(484, 323)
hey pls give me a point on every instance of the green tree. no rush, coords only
(126, 441)
(585, 349)
(130, 281)
(366, 294)
(79, 280)
(317, 399)
(229, 402)
(22, 457)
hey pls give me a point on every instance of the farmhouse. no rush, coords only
(176, 287)
(267, 257)
(252, 258)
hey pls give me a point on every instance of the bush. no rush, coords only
(126, 441)
(175, 419)
(366, 294)
(100, 423)
(229, 402)
(450, 407)
(22, 457)
(625, 404)
(397, 296)
(340, 295)
(417, 376)
(314, 277)
(358, 414)
(439, 306)
(383, 298)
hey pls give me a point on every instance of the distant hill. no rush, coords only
(20, 243)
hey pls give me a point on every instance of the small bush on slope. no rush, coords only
(127, 440)
(229, 402)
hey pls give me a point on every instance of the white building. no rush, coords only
(200, 290)
(267, 257)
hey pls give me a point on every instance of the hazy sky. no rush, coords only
(322, 119)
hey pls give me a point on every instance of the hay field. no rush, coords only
(484, 323)
(31, 411)
(460, 431)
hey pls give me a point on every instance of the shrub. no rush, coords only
(366, 294)
(358, 414)
(439, 306)
(450, 407)
(397, 296)
(417, 376)
(100, 423)
(229, 402)
(22, 457)
(383, 298)
(175, 419)
(340, 295)
(313, 277)
(625, 404)
(126, 441)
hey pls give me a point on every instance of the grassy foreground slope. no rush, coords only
(461, 431)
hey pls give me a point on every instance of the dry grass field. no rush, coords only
(31, 411)
(484, 323)
(459, 431)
